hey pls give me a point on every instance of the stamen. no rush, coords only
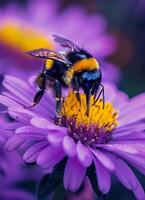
(92, 129)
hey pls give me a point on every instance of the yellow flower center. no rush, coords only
(104, 118)
(93, 129)
(23, 37)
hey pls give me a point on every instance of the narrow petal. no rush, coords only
(103, 177)
(32, 153)
(13, 142)
(24, 118)
(7, 101)
(124, 174)
(23, 95)
(131, 128)
(84, 155)
(135, 160)
(22, 110)
(32, 136)
(19, 88)
(49, 157)
(139, 191)
(129, 141)
(130, 134)
(10, 126)
(104, 159)
(131, 118)
(69, 146)
(127, 178)
(134, 104)
(127, 148)
(19, 92)
(74, 174)
(40, 122)
(118, 98)
(55, 138)
(29, 129)
(14, 81)
(43, 123)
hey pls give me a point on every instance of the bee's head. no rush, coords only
(75, 56)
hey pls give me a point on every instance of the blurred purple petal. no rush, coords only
(49, 157)
(32, 153)
(104, 159)
(84, 155)
(69, 146)
(103, 176)
(129, 180)
(74, 175)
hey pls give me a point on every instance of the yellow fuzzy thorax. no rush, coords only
(23, 37)
(86, 64)
(102, 118)
(81, 65)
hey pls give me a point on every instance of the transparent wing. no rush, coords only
(49, 54)
(65, 42)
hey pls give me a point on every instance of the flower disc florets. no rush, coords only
(92, 129)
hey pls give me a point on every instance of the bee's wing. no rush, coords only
(49, 54)
(65, 42)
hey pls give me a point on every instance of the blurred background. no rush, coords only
(119, 32)
(126, 22)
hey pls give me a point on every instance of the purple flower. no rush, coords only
(42, 18)
(31, 28)
(111, 139)
(13, 173)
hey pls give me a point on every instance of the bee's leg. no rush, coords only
(94, 90)
(88, 96)
(38, 96)
(101, 92)
(75, 86)
(103, 95)
(36, 99)
(58, 95)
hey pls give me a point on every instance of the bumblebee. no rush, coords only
(74, 68)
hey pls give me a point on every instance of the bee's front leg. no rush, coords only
(99, 94)
(58, 95)
(39, 94)
(75, 86)
(36, 99)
